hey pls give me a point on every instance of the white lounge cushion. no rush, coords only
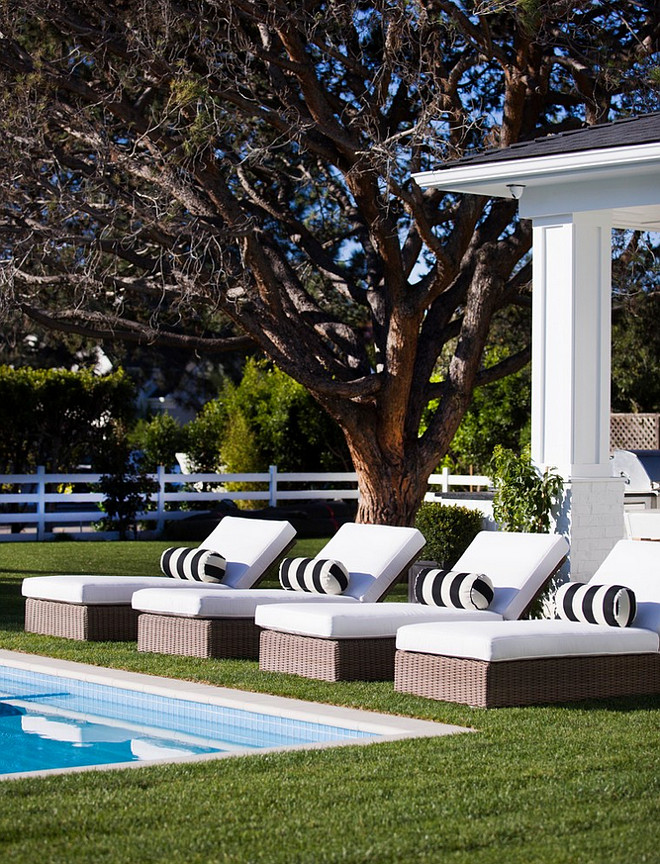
(635, 564)
(381, 551)
(514, 640)
(249, 546)
(374, 556)
(517, 564)
(207, 603)
(332, 620)
(98, 590)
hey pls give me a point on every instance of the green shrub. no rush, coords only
(240, 452)
(205, 435)
(498, 414)
(523, 501)
(448, 529)
(124, 484)
(266, 419)
(287, 427)
(523, 496)
(56, 418)
(159, 440)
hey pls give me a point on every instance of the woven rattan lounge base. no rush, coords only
(96, 623)
(198, 637)
(526, 682)
(327, 659)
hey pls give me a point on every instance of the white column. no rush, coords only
(571, 344)
(571, 336)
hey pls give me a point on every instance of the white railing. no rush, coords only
(48, 503)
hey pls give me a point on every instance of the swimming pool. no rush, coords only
(61, 716)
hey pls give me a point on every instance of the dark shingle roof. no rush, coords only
(620, 133)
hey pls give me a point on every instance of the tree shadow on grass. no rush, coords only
(12, 605)
(617, 704)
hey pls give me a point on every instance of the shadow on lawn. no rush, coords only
(615, 704)
(12, 605)
(29, 571)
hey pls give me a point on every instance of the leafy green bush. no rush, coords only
(56, 418)
(523, 496)
(498, 414)
(205, 435)
(266, 419)
(159, 440)
(448, 529)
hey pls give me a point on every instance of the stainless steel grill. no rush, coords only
(641, 471)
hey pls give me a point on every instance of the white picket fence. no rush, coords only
(48, 504)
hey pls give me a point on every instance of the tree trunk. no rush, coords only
(391, 483)
(390, 494)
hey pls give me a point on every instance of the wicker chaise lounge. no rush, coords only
(94, 608)
(543, 661)
(205, 624)
(333, 642)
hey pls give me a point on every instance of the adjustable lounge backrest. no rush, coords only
(374, 556)
(518, 565)
(636, 565)
(249, 547)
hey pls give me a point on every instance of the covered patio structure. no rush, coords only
(575, 187)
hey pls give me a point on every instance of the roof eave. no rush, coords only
(494, 177)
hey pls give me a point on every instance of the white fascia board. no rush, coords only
(492, 179)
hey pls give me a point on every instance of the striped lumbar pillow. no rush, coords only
(596, 604)
(435, 587)
(198, 565)
(318, 575)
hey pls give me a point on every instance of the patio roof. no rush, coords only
(575, 187)
(614, 166)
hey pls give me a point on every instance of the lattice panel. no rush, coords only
(634, 431)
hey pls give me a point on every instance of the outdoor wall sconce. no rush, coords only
(516, 190)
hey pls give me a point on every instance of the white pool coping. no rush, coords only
(390, 727)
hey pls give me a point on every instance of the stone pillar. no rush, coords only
(571, 339)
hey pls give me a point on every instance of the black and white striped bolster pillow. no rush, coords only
(318, 575)
(435, 587)
(596, 604)
(198, 565)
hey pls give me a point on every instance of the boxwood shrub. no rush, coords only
(449, 530)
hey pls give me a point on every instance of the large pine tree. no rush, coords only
(167, 163)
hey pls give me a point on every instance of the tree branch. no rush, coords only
(97, 326)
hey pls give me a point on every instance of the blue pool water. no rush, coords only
(51, 721)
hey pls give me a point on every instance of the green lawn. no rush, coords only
(564, 784)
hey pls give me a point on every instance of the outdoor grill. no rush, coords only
(641, 471)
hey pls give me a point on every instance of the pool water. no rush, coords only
(51, 721)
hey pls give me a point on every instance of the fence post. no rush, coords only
(41, 503)
(160, 499)
(445, 479)
(272, 485)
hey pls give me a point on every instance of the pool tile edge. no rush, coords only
(390, 726)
